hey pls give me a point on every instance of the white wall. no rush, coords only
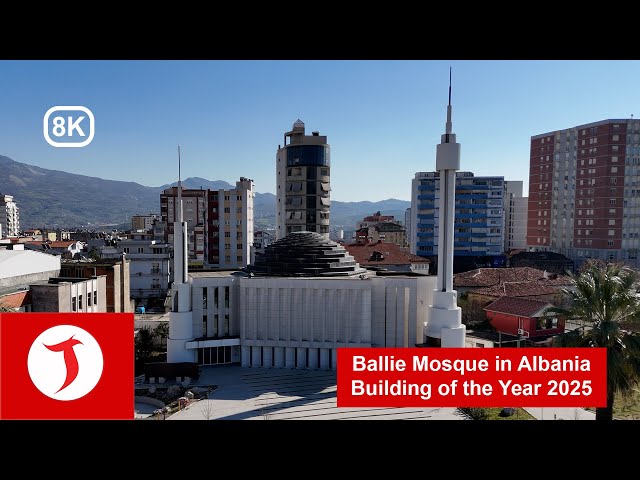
(299, 322)
(519, 223)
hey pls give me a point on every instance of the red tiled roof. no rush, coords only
(488, 277)
(375, 218)
(520, 307)
(16, 300)
(60, 244)
(392, 254)
(520, 289)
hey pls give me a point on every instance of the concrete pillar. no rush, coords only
(278, 353)
(324, 358)
(255, 357)
(334, 358)
(267, 357)
(244, 359)
(313, 358)
(301, 361)
(290, 356)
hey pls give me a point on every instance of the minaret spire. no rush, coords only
(179, 189)
(180, 318)
(444, 327)
(449, 85)
(449, 125)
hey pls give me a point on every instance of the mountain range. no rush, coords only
(53, 198)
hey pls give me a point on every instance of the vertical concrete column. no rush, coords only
(278, 353)
(255, 357)
(290, 356)
(246, 356)
(267, 357)
(334, 358)
(301, 361)
(313, 358)
(324, 358)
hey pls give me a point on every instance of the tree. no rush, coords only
(473, 314)
(162, 332)
(3, 308)
(605, 296)
(144, 344)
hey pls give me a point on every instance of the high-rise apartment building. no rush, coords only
(515, 216)
(479, 223)
(9, 216)
(229, 232)
(584, 191)
(303, 183)
(194, 205)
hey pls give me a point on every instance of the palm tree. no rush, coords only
(603, 296)
(4, 308)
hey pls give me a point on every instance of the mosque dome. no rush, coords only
(305, 254)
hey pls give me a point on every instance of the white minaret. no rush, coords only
(180, 318)
(444, 318)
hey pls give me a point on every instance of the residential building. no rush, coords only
(303, 183)
(515, 216)
(34, 233)
(261, 240)
(62, 235)
(65, 294)
(118, 281)
(144, 222)
(388, 232)
(68, 249)
(194, 213)
(149, 267)
(9, 216)
(300, 301)
(584, 200)
(478, 223)
(387, 256)
(229, 226)
(375, 219)
(49, 235)
(524, 317)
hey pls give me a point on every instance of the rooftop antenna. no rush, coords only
(449, 84)
(179, 189)
(449, 125)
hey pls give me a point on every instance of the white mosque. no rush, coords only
(305, 297)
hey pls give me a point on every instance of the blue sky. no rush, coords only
(383, 119)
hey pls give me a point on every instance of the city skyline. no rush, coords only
(229, 116)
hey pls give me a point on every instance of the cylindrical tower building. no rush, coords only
(303, 183)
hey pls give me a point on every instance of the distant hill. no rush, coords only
(53, 198)
(197, 182)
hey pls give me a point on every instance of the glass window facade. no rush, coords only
(308, 155)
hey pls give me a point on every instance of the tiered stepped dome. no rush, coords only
(305, 254)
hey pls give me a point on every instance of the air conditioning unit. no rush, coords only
(520, 331)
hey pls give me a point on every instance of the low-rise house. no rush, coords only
(524, 317)
(387, 256)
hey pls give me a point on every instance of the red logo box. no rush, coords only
(71, 366)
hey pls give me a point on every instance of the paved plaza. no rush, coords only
(282, 394)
